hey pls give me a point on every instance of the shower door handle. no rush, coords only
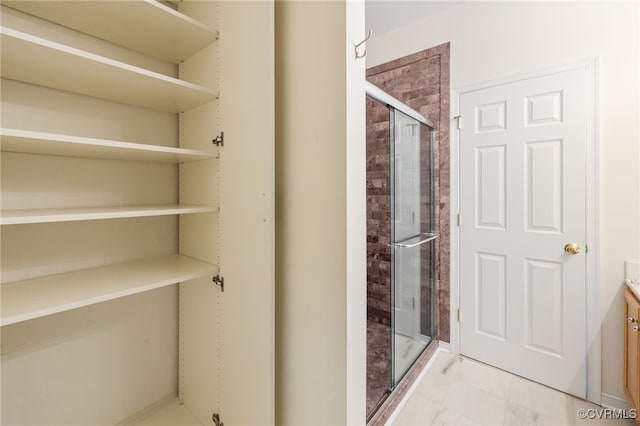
(411, 243)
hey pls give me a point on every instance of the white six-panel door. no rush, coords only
(522, 182)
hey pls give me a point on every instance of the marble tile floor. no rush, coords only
(459, 391)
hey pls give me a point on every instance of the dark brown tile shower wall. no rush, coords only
(420, 80)
(378, 215)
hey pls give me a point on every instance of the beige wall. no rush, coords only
(491, 39)
(320, 253)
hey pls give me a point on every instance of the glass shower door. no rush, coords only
(400, 243)
(412, 240)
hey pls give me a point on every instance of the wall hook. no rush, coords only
(364, 53)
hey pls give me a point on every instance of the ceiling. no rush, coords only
(386, 15)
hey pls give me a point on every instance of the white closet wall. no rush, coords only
(118, 210)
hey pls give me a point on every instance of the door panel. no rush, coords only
(490, 196)
(543, 186)
(543, 323)
(491, 291)
(523, 185)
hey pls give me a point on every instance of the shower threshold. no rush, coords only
(385, 407)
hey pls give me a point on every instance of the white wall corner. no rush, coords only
(610, 401)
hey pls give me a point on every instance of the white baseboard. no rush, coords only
(610, 401)
(444, 346)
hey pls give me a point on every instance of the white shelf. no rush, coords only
(25, 300)
(24, 141)
(170, 412)
(42, 62)
(21, 217)
(146, 26)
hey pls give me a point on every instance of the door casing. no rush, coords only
(592, 317)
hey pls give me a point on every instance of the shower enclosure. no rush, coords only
(400, 242)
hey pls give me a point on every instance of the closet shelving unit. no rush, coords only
(38, 61)
(215, 202)
(82, 72)
(25, 300)
(17, 140)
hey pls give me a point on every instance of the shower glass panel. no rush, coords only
(400, 242)
(412, 240)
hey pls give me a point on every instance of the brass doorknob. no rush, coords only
(572, 248)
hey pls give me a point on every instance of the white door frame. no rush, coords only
(592, 317)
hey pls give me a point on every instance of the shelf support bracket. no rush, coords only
(219, 281)
(216, 419)
(219, 140)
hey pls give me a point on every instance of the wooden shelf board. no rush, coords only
(29, 299)
(24, 141)
(38, 61)
(21, 217)
(146, 26)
